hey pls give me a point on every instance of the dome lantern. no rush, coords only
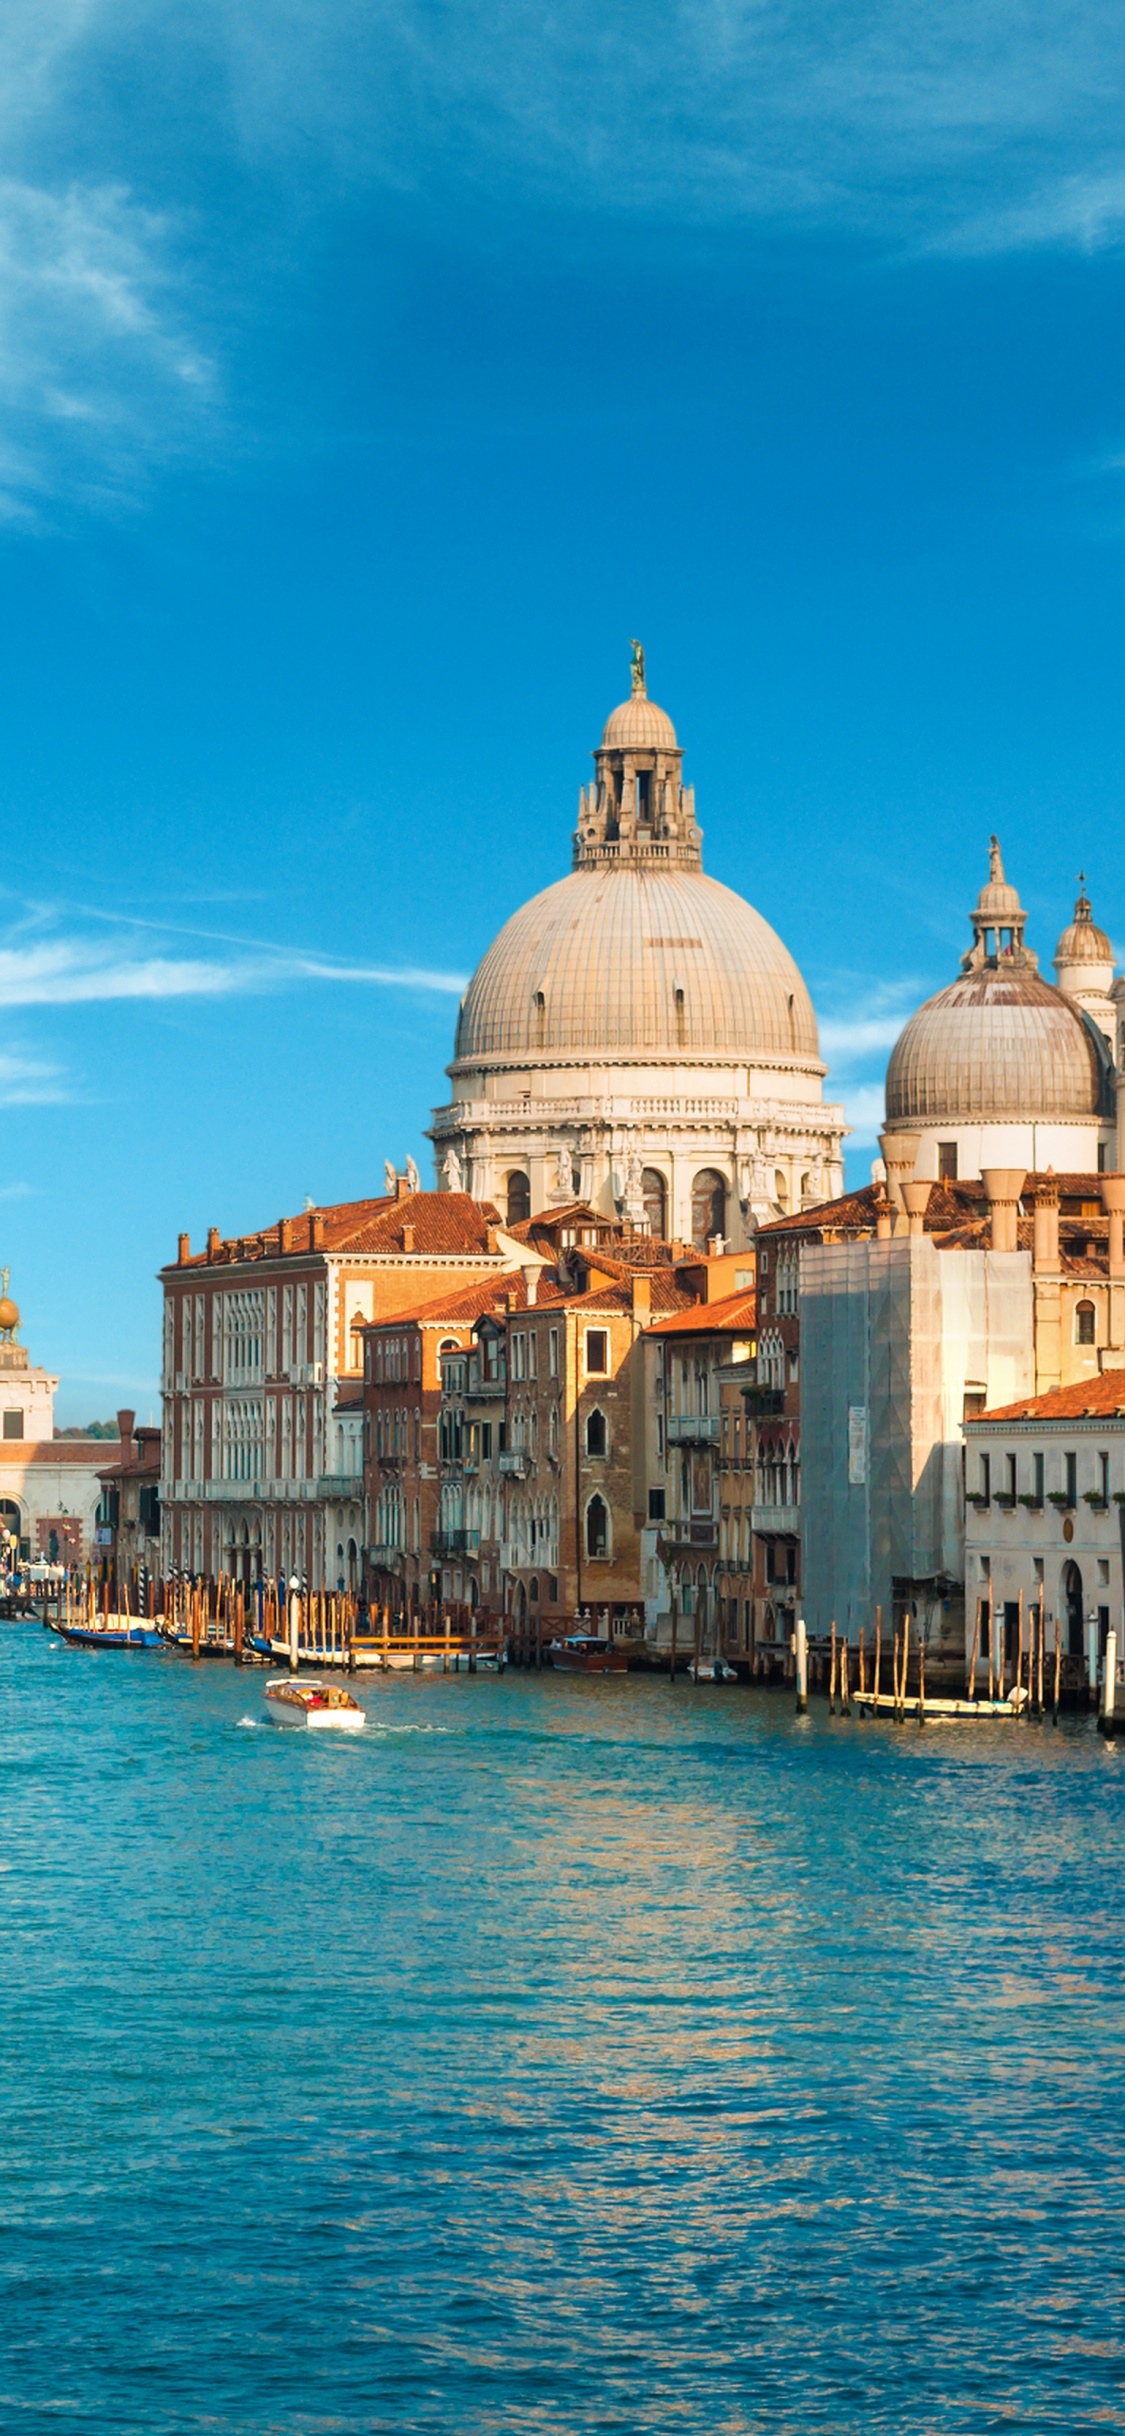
(1084, 964)
(638, 809)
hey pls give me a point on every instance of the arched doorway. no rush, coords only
(1075, 1621)
(597, 1527)
(708, 1206)
(353, 1565)
(518, 1198)
(654, 1194)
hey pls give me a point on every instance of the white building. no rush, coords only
(49, 1487)
(1002, 1069)
(1045, 1495)
(638, 1037)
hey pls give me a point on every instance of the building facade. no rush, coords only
(263, 1375)
(637, 1035)
(1045, 1496)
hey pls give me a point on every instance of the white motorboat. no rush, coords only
(302, 1700)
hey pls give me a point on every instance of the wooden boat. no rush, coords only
(884, 1704)
(112, 1632)
(304, 1700)
(585, 1653)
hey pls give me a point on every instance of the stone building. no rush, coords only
(262, 1444)
(637, 1035)
(1045, 1493)
(687, 1549)
(129, 1510)
(49, 1485)
(1002, 1069)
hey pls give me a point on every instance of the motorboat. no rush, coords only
(711, 1670)
(303, 1700)
(586, 1653)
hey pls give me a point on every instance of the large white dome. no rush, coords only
(640, 959)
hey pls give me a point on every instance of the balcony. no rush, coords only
(340, 1484)
(768, 1520)
(486, 1391)
(763, 1403)
(454, 1543)
(384, 1558)
(693, 1429)
(516, 1463)
(699, 1534)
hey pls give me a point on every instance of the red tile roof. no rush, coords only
(1098, 1397)
(729, 1317)
(442, 1223)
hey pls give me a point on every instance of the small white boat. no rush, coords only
(302, 1700)
(711, 1670)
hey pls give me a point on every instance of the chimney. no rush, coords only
(1045, 1253)
(530, 1277)
(642, 1297)
(402, 1188)
(184, 1249)
(511, 1300)
(916, 1195)
(491, 1243)
(1113, 1203)
(316, 1231)
(126, 1426)
(283, 1242)
(213, 1241)
(1003, 1186)
(900, 1151)
(408, 1238)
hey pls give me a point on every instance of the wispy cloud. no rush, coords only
(29, 1082)
(74, 971)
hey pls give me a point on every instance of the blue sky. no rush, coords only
(368, 375)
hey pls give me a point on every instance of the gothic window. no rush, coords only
(597, 1528)
(708, 1206)
(518, 1198)
(655, 1198)
(596, 1436)
(1084, 1329)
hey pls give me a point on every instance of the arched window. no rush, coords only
(781, 1190)
(518, 1198)
(708, 1206)
(681, 1021)
(597, 1528)
(654, 1194)
(596, 1439)
(533, 1590)
(1085, 1332)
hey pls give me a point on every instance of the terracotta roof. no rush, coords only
(1099, 1396)
(442, 1223)
(733, 1314)
(76, 1454)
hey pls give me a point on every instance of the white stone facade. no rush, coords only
(637, 1036)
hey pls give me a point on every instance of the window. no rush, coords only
(13, 1425)
(708, 1206)
(1070, 1481)
(656, 1505)
(553, 1352)
(596, 1433)
(597, 1352)
(985, 1490)
(519, 1356)
(540, 1021)
(1103, 1478)
(597, 1528)
(1084, 1330)
(518, 1198)
(1010, 1477)
(533, 1356)
(681, 1021)
(486, 1441)
(655, 1198)
(947, 1162)
(1037, 1478)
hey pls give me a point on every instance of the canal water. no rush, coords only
(561, 2056)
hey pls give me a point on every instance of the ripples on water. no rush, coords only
(563, 2056)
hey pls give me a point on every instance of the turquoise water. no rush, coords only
(562, 2056)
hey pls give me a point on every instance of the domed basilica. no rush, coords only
(1001, 1069)
(637, 1036)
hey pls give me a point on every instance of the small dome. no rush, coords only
(639, 725)
(1082, 942)
(997, 1044)
(998, 902)
(9, 1314)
